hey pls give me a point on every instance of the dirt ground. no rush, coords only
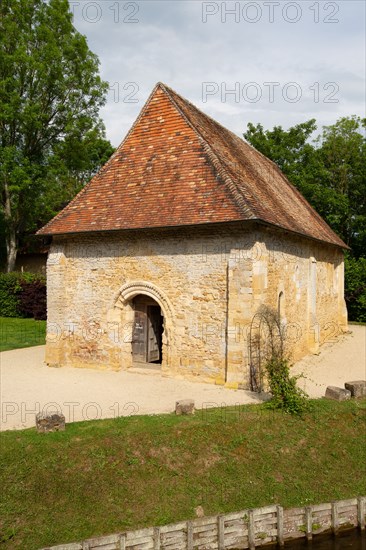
(338, 361)
(29, 386)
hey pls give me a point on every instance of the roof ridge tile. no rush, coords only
(180, 167)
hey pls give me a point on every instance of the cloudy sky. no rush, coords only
(273, 62)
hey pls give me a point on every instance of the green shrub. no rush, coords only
(355, 288)
(270, 345)
(9, 294)
(33, 301)
(17, 290)
(286, 395)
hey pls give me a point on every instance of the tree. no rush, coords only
(329, 171)
(74, 161)
(342, 153)
(355, 287)
(290, 149)
(50, 96)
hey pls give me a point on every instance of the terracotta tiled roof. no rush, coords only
(178, 167)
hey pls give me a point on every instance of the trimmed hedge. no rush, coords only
(23, 295)
(9, 294)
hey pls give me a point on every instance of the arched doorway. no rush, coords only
(147, 331)
(124, 301)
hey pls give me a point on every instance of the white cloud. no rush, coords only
(170, 43)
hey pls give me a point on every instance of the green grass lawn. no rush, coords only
(21, 333)
(106, 476)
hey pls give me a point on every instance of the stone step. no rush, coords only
(146, 369)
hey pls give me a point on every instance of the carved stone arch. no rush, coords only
(123, 302)
(129, 290)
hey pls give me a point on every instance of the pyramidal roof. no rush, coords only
(179, 167)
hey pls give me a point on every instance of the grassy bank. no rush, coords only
(105, 476)
(21, 333)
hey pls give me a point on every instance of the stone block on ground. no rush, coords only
(200, 513)
(338, 394)
(357, 388)
(184, 406)
(50, 422)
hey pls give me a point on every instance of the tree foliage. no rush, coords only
(23, 295)
(355, 287)
(342, 152)
(51, 137)
(329, 170)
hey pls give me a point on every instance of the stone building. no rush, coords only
(166, 257)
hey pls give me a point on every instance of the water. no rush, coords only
(348, 539)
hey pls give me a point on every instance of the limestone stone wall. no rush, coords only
(209, 284)
(301, 279)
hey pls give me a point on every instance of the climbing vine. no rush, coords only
(271, 364)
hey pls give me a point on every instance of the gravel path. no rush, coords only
(338, 362)
(28, 386)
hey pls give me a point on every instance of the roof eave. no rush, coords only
(264, 223)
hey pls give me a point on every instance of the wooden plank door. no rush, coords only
(153, 340)
(139, 335)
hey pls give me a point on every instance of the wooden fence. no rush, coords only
(236, 531)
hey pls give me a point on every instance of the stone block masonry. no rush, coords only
(209, 283)
(337, 394)
(46, 423)
(357, 388)
(184, 406)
